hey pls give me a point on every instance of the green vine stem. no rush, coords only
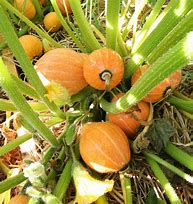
(13, 42)
(66, 27)
(174, 36)
(133, 19)
(179, 155)
(7, 5)
(113, 7)
(13, 144)
(21, 104)
(170, 192)
(181, 95)
(186, 105)
(174, 169)
(39, 11)
(174, 59)
(150, 20)
(84, 26)
(175, 13)
(64, 181)
(25, 88)
(11, 182)
(126, 188)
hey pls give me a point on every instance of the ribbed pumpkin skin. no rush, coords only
(32, 45)
(19, 199)
(129, 121)
(104, 147)
(64, 66)
(29, 10)
(158, 92)
(51, 22)
(99, 61)
(62, 8)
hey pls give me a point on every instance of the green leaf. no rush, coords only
(70, 133)
(159, 133)
(153, 199)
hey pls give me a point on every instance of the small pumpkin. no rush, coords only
(51, 22)
(158, 92)
(102, 66)
(32, 45)
(130, 120)
(64, 66)
(104, 147)
(26, 7)
(19, 199)
(62, 8)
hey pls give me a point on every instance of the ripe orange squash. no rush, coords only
(158, 92)
(102, 65)
(32, 45)
(26, 7)
(104, 147)
(51, 22)
(62, 8)
(130, 121)
(19, 199)
(64, 66)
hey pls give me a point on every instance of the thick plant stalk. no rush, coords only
(113, 7)
(150, 20)
(186, 105)
(176, 10)
(84, 26)
(170, 192)
(126, 188)
(179, 32)
(174, 59)
(15, 143)
(20, 103)
(179, 155)
(39, 11)
(64, 181)
(170, 166)
(66, 27)
(7, 30)
(5, 4)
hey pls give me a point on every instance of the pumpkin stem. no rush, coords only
(106, 75)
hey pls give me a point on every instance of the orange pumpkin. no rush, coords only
(26, 7)
(104, 147)
(32, 45)
(158, 92)
(62, 8)
(102, 65)
(19, 199)
(51, 22)
(130, 121)
(64, 66)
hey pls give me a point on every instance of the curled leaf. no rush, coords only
(89, 189)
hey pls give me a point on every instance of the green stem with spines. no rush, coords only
(8, 84)
(38, 8)
(13, 42)
(84, 26)
(15, 143)
(175, 13)
(170, 192)
(126, 188)
(7, 5)
(179, 155)
(174, 169)
(113, 7)
(176, 57)
(64, 181)
(25, 88)
(150, 20)
(66, 27)
(179, 32)
(186, 105)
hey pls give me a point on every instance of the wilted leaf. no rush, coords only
(89, 189)
(159, 133)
